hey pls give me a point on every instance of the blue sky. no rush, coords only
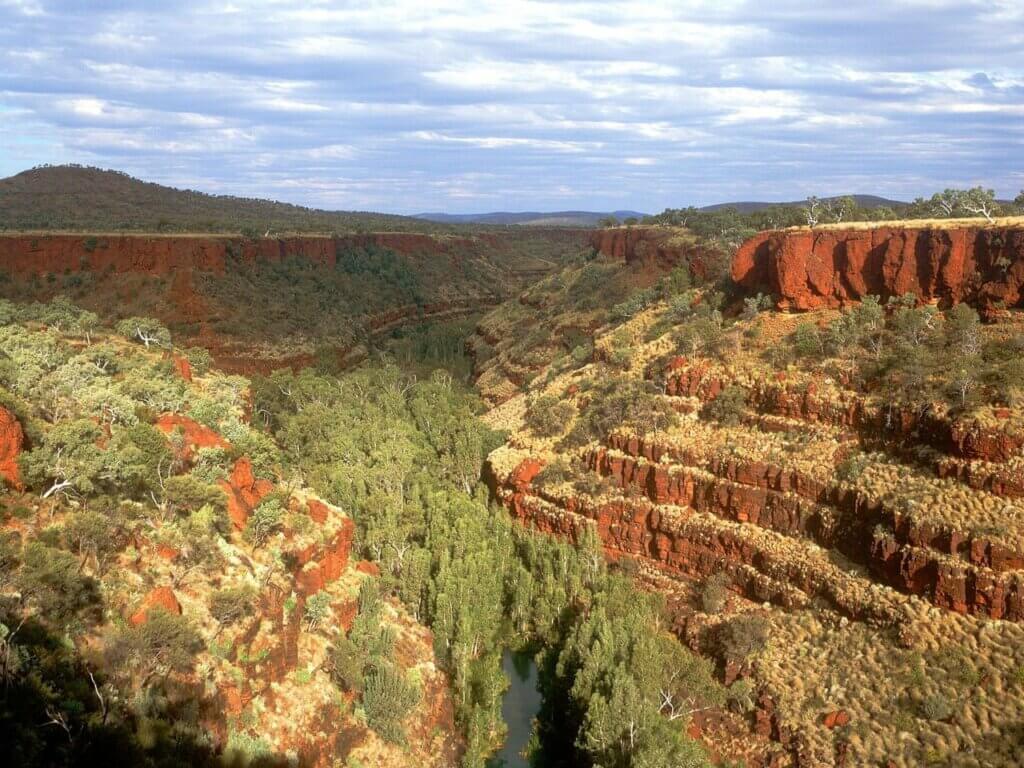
(473, 106)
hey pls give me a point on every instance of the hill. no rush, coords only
(863, 201)
(530, 218)
(81, 199)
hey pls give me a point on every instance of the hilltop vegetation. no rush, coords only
(731, 225)
(81, 199)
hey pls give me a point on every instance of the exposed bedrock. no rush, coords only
(12, 441)
(653, 247)
(807, 269)
(959, 439)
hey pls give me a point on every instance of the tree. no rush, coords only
(980, 202)
(318, 608)
(945, 203)
(50, 581)
(1019, 201)
(164, 643)
(232, 604)
(387, 700)
(146, 330)
(346, 664)
(728, 407)
(68, 459)
(549, 416)
(265, 520)
(94, 534)
(812, 211)
(839, 208)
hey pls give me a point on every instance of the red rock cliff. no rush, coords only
(806, 269)
(645, 246)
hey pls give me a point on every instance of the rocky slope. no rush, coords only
(257, 683)
(558, 315)
(882, 547)
(806, 269)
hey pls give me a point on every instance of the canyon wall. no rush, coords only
(652, 247)
(160, 255)
(807, 269)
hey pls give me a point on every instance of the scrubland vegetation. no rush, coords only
(402, 455)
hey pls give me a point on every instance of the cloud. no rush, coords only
(407, 106)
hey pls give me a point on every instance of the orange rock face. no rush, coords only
(196, 435)
(328, 565)
(183, 367)
(244, 492)
(159, 598)
(807, 269)
(12, 440)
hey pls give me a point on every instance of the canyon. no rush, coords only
(359, 286)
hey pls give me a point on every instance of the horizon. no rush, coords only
(541, 107)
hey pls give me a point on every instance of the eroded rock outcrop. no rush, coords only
(161, 598)
(648, 247)
(12, 441)
(807, 269)
(244, 492)
(193, 434)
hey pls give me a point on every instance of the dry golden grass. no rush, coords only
(999, 221)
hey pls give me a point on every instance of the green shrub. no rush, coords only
(728, 408)
(388, 699)
(549, 416)
(231, 604)
(346, 664)
(807, 340)
(265, 520)
(936, 707)
(714, 593)
(741, 637)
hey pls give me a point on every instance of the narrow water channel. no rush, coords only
(518, 708)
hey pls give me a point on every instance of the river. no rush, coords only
(519, 706)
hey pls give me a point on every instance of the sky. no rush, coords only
(431, 105)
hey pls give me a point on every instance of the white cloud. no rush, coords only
(518, 102)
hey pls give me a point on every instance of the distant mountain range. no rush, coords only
(592, 218)
(530, 218)
(863, 201)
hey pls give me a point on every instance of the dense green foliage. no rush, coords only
(404, 456)
(86, 401)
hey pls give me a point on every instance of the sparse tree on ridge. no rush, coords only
(946, 202)
(813, 211)
(145, 330)
(979, 201)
